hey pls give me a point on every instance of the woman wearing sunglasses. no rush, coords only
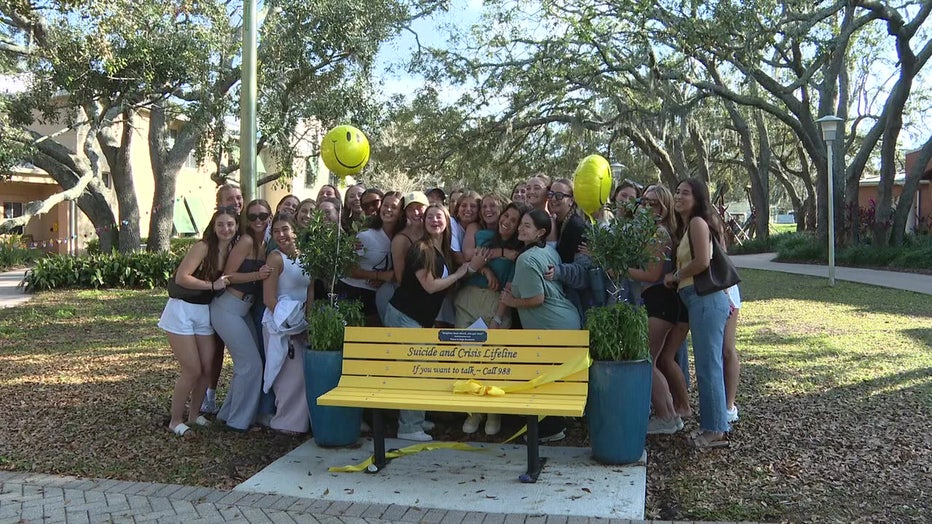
(231, 318)
(667, 319)
(374, 267)
(573, 269)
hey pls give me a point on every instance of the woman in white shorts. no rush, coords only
(730, 352)
(186, 316)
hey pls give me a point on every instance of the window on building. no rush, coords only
(311, 171)
(13, 210)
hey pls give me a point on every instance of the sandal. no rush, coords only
(201, 421)
(704, 441)
(180, 429)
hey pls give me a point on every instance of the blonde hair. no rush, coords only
(424, 248)
(668, 219)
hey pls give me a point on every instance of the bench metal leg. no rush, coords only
(378, 441)
(534, 463)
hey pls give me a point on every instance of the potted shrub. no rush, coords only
(327, 253)
(620, 376)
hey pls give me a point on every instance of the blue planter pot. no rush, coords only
(617, 410)
(332, 426)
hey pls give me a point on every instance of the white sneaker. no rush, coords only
(428, 425)
(209, 406)
(657, 425)
(418, 436)
(493, 424)
(471, 425)
(732, 414)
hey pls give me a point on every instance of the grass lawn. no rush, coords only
(835, 399)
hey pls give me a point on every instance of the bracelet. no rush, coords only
(469, 269)
(676, 275)
(498, 320)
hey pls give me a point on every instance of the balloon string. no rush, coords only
(333, 278)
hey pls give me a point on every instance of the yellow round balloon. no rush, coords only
(592, 183)
(345, 150)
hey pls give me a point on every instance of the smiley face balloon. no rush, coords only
(592, 183)
(345, 150)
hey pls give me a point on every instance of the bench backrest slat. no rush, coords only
(505, 337)
(428, 369)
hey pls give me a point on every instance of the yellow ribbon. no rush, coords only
(474, 387)
(560, 372)
(409, 450)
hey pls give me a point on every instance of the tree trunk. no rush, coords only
(166, 164)
(118, 154)
(901, 214)
(67, 168)
(163, 200)
(645, 141)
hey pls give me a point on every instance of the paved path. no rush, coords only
(37, 498)
(894, 279)
(11, 293)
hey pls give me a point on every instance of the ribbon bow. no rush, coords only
(473, 387)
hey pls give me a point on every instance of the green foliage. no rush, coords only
(624, 243)
(770, 244)
(136, 270)
(326, 252)
(179, 245)
(326, 323)
(14, 253)
(618, 332)
(915, 253)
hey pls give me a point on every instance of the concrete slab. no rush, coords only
(11, 288)
(485, 481)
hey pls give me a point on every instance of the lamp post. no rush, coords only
(830, 127)
(247, 133)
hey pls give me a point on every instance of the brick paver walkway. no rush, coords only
(49, 499)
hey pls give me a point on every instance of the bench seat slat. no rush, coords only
(428, 369)
(515, 404)
(445, 385)
(506, 337)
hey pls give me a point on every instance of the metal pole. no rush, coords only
(830, 179)
(247, 128)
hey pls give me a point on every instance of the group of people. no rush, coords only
(429, 261)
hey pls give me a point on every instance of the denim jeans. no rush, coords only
(707, 316)
(408, 421)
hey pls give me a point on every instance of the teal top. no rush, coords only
(503, 268)
(556, 312)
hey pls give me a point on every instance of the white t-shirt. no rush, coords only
(456, 235)
(375, 254)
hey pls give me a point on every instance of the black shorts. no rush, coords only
(366, 296)
(664, 303)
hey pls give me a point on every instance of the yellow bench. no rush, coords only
(416, 369)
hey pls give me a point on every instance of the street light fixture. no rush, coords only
(830, 131)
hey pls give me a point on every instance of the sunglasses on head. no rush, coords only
(230, 210)
(558, 195)
(648, 202)
(258, 216)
